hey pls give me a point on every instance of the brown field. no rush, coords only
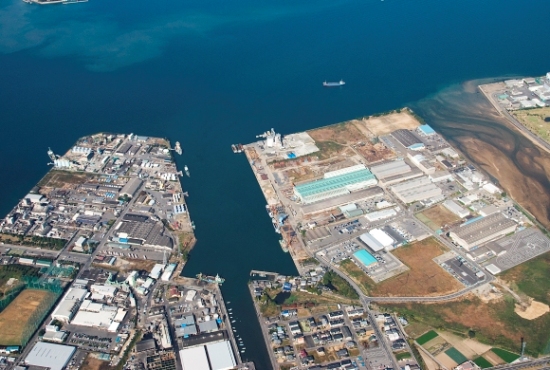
(59, 179)
(424, 278)
(339, 138)
(14, 319)
(385, 124)
(468, 347)
(438, 216)
(91, 362)
(446, 360)
(358, 275)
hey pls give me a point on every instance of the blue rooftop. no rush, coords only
(364, 257)
(427, 130)
(333, 183)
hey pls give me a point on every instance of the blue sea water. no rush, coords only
(215, 72)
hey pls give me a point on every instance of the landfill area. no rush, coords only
(380, 183)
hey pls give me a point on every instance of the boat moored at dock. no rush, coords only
(211, 279)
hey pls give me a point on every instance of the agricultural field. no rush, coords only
(426, 337)
(507, 356)
(493, 324)
(424, 277)
(535, 120)
(437, 217)
(456, 355)
(482, 362)
(15, 318)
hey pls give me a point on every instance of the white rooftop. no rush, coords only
(54, 356)
(194, 358)
(221, 355)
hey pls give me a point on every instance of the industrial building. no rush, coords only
(167, 274)
(426, 130)
(334, 184)
(422, 162)
(49, 355)
(442, 175)
(156, 271)
(131, 187)
(377, 240)
(380, 215)
(474, 234)
(408, 139)
(69, 304)
(455, 208)
(390, 169)
(210, 356)
(365, 258)
(414, 190)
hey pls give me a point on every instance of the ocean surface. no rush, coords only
(211, 73)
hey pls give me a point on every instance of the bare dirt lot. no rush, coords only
(339, 139)
(14, 319)
(493, 358)
(63, 179)
(446, 360)
(534, 310)
(437, 217)
(383, 125)
(424, 278)
(93, 363)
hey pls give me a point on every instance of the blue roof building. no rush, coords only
(426, 130)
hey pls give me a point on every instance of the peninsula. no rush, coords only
(91, 262)
(382, 214)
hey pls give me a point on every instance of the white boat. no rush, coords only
(186, 169)
(233, 321)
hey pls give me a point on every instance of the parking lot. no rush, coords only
(518, 248)
(462, 270)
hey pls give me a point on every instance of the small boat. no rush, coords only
(186, 169)
(233, 321)
(229, 309)
(228, 302)
(243, 351)
(211, 279)
(177, 148)
(284, 245)
(234, 148)
(334, 84)
(240, 344)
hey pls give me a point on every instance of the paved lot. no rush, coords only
(462, 270)
(518, 248)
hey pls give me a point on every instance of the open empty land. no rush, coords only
(437, 216)
(348, 138)
(424, 278)
(383, 125)
(535, 120)
(15, 318)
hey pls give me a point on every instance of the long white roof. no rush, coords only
(194, 358)
(54, 356)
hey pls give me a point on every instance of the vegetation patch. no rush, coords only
(456, 355)
(482, 362)
(17, 272)
(33, 241)
(358, 275)
(505, 355)
(339, 285)
(531, 278)
(494, 323)
(402, 356)
(426, 337)
(535, 120)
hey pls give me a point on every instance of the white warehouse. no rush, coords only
(69, 304)
(414, 190)
(456, 209)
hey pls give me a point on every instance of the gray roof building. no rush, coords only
(477, 233)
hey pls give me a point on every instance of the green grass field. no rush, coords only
(482, 362)
(456, 355)
(531, 278)
(402, 356)
(505, 355)
(425, 338)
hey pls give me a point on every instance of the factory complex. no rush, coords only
(351, 204)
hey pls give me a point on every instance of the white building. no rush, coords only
(381, 237)
(472, 235)
(456, 209)
(49, 355)
(69, 304)
(415, 190)
(104, 290)
(156, 271)
(380, 215)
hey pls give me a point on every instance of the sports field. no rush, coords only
(426, 337)
(15, 318)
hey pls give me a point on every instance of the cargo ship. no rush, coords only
(211, 279)
(334, 84)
